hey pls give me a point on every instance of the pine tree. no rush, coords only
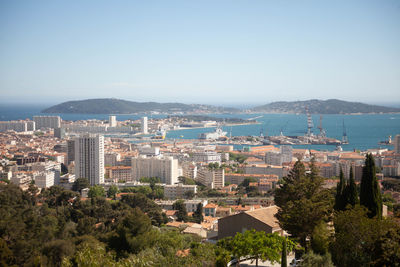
(340, 198)
(284, 258)
(370, 193)
(198, 214)
(351, 190)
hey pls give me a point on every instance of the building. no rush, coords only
(238, 178)
(44, 179)
(144, 126)
(191, 204)
(189, 170)
(70, 151)
(207, 157)
(111, 159)
(165, 168)
(47, 122)
(89, 158)
(212, 178)
(17, 126)
(273, 158)
(112, 121)
(119, 173)
(396, 143)
(287, 153)
(259, 219)
(178, 190)
(59, 132)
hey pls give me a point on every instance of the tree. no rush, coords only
(284, 257)
(340, 198)
(351, 190)
(180, 206)
(256, 245)
(303, 202)
(198, 214)
(315, 260)
(363, 241)
(80, 184)
(96, 191)
(112, 191)
(370, 193)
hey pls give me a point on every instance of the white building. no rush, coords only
(144, 125)
(44, 179)
(273, 158)
(211, 178)
(89, 158)
(165, 168)
(207, 157)
(111, 159)
(178, 190)
(287, 153)
(112, 121)
(18, 126)
(47, 121)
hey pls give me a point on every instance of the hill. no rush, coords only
(330, 106)
(118, 106)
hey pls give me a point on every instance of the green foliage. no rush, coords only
(340, 198)
(311, 259)
(150, 180)
(363, 241)
(112, 191)
(351, 190)
(321, 238)
(257, 245)
(186, 180)
(213, 166)
(80, 184)
(391, 184)
(370, 193)
(284, 257)
(303, 202)
(96, 191)
(198, 214)
(180, 206)
(240, 158)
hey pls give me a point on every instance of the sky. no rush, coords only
(212, 52)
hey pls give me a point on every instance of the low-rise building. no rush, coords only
(178, 190)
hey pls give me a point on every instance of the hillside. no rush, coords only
(331, 106)
(118, 106)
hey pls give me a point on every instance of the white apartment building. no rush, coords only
(112, 121)
(211, 178)
(18, 126)
(44, 179)
(207, 157)
(273, 158)
(165, 168)
(144, 125)
(189, 170)
(89, 158)
(178, 190)
(47, 121)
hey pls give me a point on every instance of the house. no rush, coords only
(210, 210)
(259, 219)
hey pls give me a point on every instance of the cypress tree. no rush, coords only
(352, 194)
(370, 193)
(340, 199)
(284, 258)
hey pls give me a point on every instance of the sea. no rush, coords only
(364, 131)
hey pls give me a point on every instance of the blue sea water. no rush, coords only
(363, 131)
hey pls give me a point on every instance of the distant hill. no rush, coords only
(118, 106)
(331, 106)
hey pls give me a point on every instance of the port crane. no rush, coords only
(322, 132)
(310, 123)
(345, 140)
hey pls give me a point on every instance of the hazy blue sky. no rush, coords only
(200, 51)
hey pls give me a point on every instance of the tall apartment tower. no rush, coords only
(112, 121)
(396, 143)
(70, 151)
(144, 125)
(89, 158)
(47, 121)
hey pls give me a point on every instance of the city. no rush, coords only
(211, 133)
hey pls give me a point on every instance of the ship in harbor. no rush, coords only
(216, 135)
(309, 138)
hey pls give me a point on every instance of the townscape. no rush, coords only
(200, 189)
